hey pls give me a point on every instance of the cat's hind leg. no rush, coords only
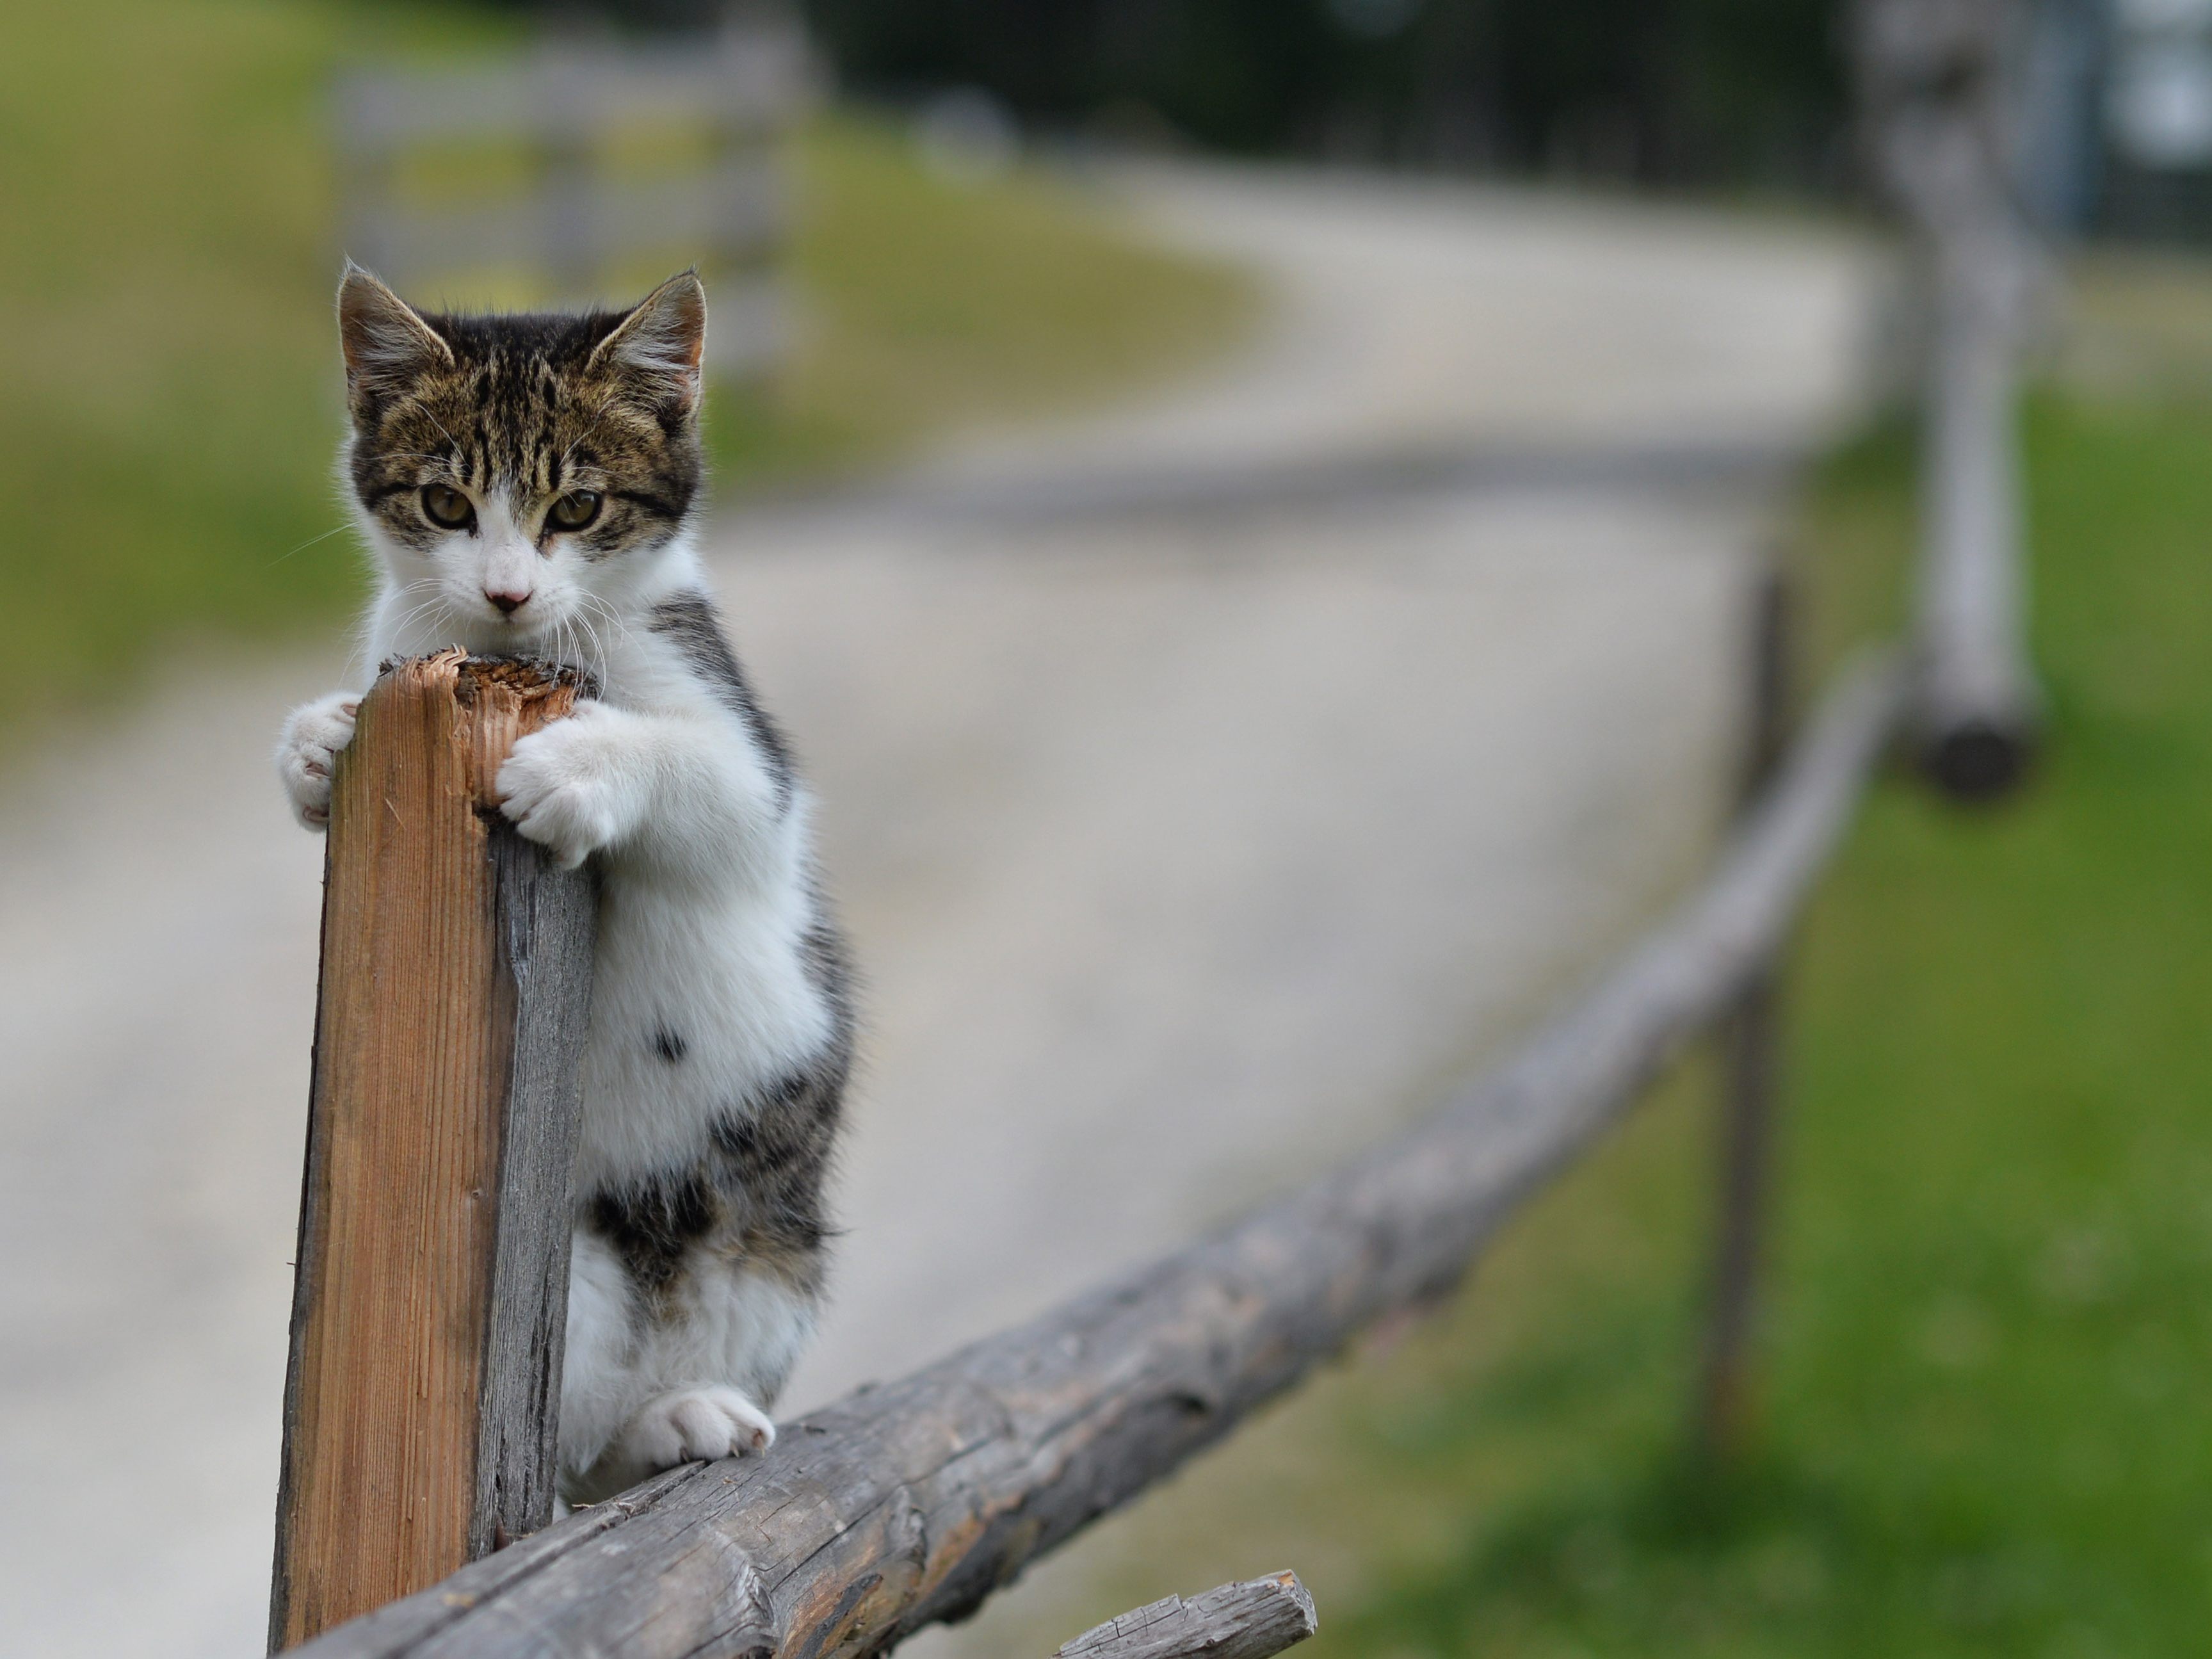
(652, 1382)
(684, 1425)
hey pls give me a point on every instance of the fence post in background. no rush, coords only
(430, 1303)
(1750, 1078)
(1936, 92)
(573, 257)
(1978, 705)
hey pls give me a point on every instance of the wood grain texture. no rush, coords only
(907, 1505)
(432, 1267)
(1254, 1619)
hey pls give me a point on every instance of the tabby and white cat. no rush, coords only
(526, 483)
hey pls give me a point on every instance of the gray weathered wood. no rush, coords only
(1935, 90)
(1254, 1619)
(1979, 709)
(909, 1503)
(429, 1308)
(1750, 1036)
(544, 921)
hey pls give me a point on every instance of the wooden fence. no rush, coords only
(910, 1503)
(581, 169)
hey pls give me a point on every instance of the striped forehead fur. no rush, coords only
(528, 404)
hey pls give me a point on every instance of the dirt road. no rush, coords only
(1203, 781)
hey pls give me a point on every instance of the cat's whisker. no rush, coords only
(310, 541)
(431, 416)
(436, 602)
(571, 649)
(614, 617)
(597, 661)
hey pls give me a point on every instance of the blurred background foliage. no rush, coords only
(173, 399)
(166, 168)
(1650, 91)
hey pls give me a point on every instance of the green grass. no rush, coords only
(1992, 1304)
(165, 335)
(1981, 1430)
(931, 304)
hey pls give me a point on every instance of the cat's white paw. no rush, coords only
(562, 786)
(309, 748)
(690, 1425)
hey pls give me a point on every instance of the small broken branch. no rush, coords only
(1256, 1619)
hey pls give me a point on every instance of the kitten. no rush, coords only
(527, 483)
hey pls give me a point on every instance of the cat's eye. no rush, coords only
(575, 510)
(446, 508)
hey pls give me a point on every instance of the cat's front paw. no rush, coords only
(563, 785)
(689, 1425)
(313, 737)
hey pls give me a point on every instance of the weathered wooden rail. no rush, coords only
(908, 1504)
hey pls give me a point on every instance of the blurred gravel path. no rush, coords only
(1222, 817)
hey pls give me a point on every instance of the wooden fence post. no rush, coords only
(1750, 1041)
(1935, 89)
(429, 1308)
(1979, 707)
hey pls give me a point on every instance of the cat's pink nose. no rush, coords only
(509, 602)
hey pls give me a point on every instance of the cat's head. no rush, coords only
(520, 475)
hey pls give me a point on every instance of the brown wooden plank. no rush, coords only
(435, 1212)
(910, 1503)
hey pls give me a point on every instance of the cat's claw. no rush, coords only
(691, 1424)
(559, 787)
(313, 737)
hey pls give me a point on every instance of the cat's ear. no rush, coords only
(386, 344)
(661, 344)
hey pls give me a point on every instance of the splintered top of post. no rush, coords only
(473, 708)
(527, 678)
